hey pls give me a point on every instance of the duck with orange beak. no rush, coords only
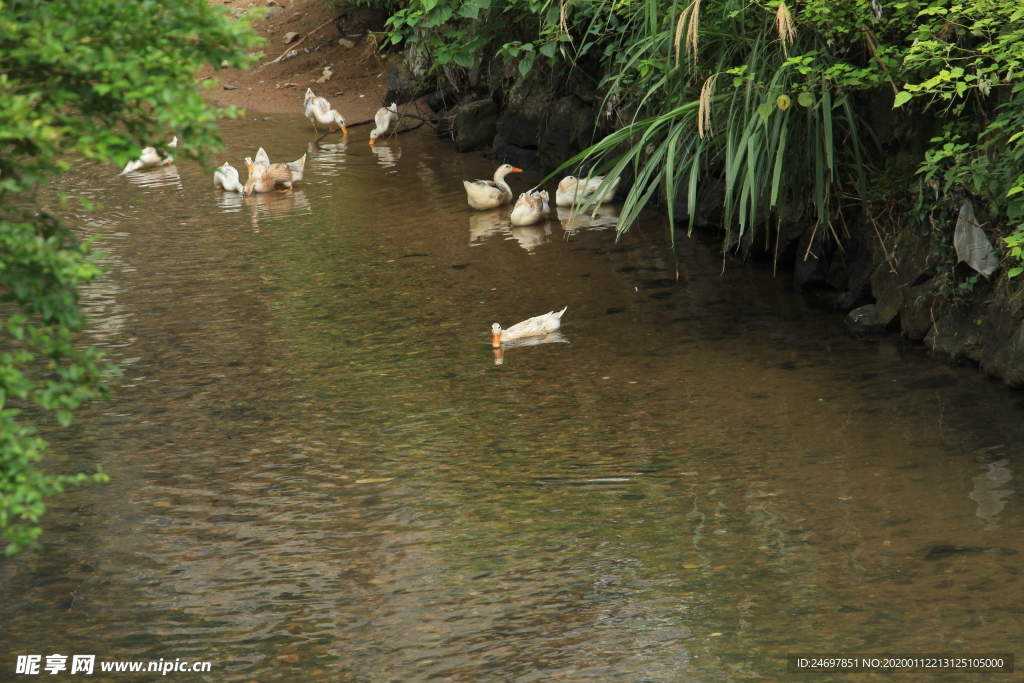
(534, 327)
(490, 194)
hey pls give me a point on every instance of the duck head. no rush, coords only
(495, 335)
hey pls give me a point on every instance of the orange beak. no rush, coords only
(496, 340)
(516, 170)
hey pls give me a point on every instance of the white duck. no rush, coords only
(531, 207)
(534, 327)
(490, 194)
(571, 190)
(318, 110)
(386, 119)
(226, 178)
(150, 158)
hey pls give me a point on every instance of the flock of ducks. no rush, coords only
(530, 208)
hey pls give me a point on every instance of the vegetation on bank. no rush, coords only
(97, 79)
(783, 101)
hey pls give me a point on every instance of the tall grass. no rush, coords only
(727, 101)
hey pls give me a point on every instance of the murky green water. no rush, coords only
(321, 474)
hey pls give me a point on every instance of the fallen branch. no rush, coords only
(283, 56)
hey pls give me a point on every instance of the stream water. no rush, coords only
(320, 471)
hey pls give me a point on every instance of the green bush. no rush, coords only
(97, 79)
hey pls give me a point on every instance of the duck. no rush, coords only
(534, 327)
(571, 190)
(386, 119)
(150, 158)
(484, 195)
(531, 207)
(318, 110)
(265, 177)
(226, 178)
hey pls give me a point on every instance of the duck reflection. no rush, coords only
(483, 224)
(532, 236)
(606, 218)
(987, 494)
(271, 205)
(160, 176)
(230, 202)
(387, 156)
(550, 338)
(325, 157)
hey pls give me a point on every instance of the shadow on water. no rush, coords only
(321, 471)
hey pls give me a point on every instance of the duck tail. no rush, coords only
(562, 312)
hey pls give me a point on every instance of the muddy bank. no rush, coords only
(323, 38)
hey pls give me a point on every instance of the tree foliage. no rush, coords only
(98, 79)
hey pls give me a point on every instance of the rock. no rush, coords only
(526, 159)
(956, 331)
(272, 11)
(475, 125)
(326, 76)
(403, 86)
(920, 307)
(290, 37)
(224, 64)
(440, 100)
(1006, 361)
(890, 285)
(569, 129)
(864, 321)
(346, 43)
(811, 262)
(231, 86)
(273, 3)
(526, 110)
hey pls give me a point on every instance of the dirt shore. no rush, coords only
(358, 73)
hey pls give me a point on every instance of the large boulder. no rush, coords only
(526, 159)
(569, 129)
(404, 86)
(892, 279)
(526, 110)
(475, 125)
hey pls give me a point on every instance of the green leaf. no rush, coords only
(526, 63)
(463, 59)
(548, 49)
(1014, 272)
(902, 97)
(470, 10)
(764, 110)
(805, 99)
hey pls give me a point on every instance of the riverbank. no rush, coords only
(325, 38)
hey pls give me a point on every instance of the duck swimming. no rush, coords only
(534, 327)
(226, 178)
(490, 194)
(265, 177)
(531, 207)
(150, 158)
(571, 190)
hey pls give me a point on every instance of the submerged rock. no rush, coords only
(864, 321)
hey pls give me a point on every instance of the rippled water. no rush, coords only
(321, 473)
